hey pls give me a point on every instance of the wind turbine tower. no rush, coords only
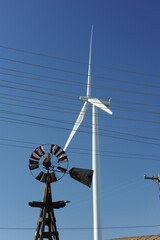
(96, 103)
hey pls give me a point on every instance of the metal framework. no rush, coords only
(46, 225)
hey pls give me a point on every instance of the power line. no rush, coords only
(84, 228)
(70, 122)
(46, 93)
(62, 70)
(120, 108)
(67, 81)
(71, 110)
(39, 99)
(83, 153)
(31, 85)
(84, 150)
(136, 103)
(45, 100)
(66, 96)
(80, 62)
(111, 88)
(34, 91)
(114, 107)
(64, 128)
(50, 119)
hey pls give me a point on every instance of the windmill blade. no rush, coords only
(33, 162)
(64, 170)
(82, 175)
(57, 150)
(53, 177)
(35, 157)
(63, 159)
(52, 148)
(89, 67)
(44, 177)
(38, 152)
(99, 104)
(39, 176)
(32, 167)
(42, 149)
(61, 154)
(77, 124)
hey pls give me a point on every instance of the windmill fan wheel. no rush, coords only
(48, 163)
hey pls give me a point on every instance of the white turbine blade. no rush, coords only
(77, 124)
(89, 67)
(99, 104)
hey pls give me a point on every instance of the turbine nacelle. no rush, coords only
(86, 99)
(98, 103)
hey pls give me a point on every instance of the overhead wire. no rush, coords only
(67, 81)
(132, 119)
(59, 69)
(35, 86)
(114, 100)
(39, 92)
(74, 111)
(118, 100)
(84, 150)
(84, 228)
(74, 93)
(86, 154)
(64, 128)
(120, 108)
(65, 96)
(70, 122)
(80, 62)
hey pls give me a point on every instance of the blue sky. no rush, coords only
(126, 41)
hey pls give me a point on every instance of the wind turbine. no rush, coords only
(96, 103)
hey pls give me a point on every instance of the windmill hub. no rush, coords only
(47, 161)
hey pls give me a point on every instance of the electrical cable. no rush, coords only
(31, 85)
(62, 128)
(119, 108)
(84, 150)
(73, 111)
(84, 228)
(114, 117)
(86, 154)
(55, 69)
(69, 82)
(66, 96)
(69, 122)
(74, 93)
(74, 61)
(33, 91)
(87, 113)
(118, 100)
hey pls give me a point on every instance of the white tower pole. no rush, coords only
(96, 176)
